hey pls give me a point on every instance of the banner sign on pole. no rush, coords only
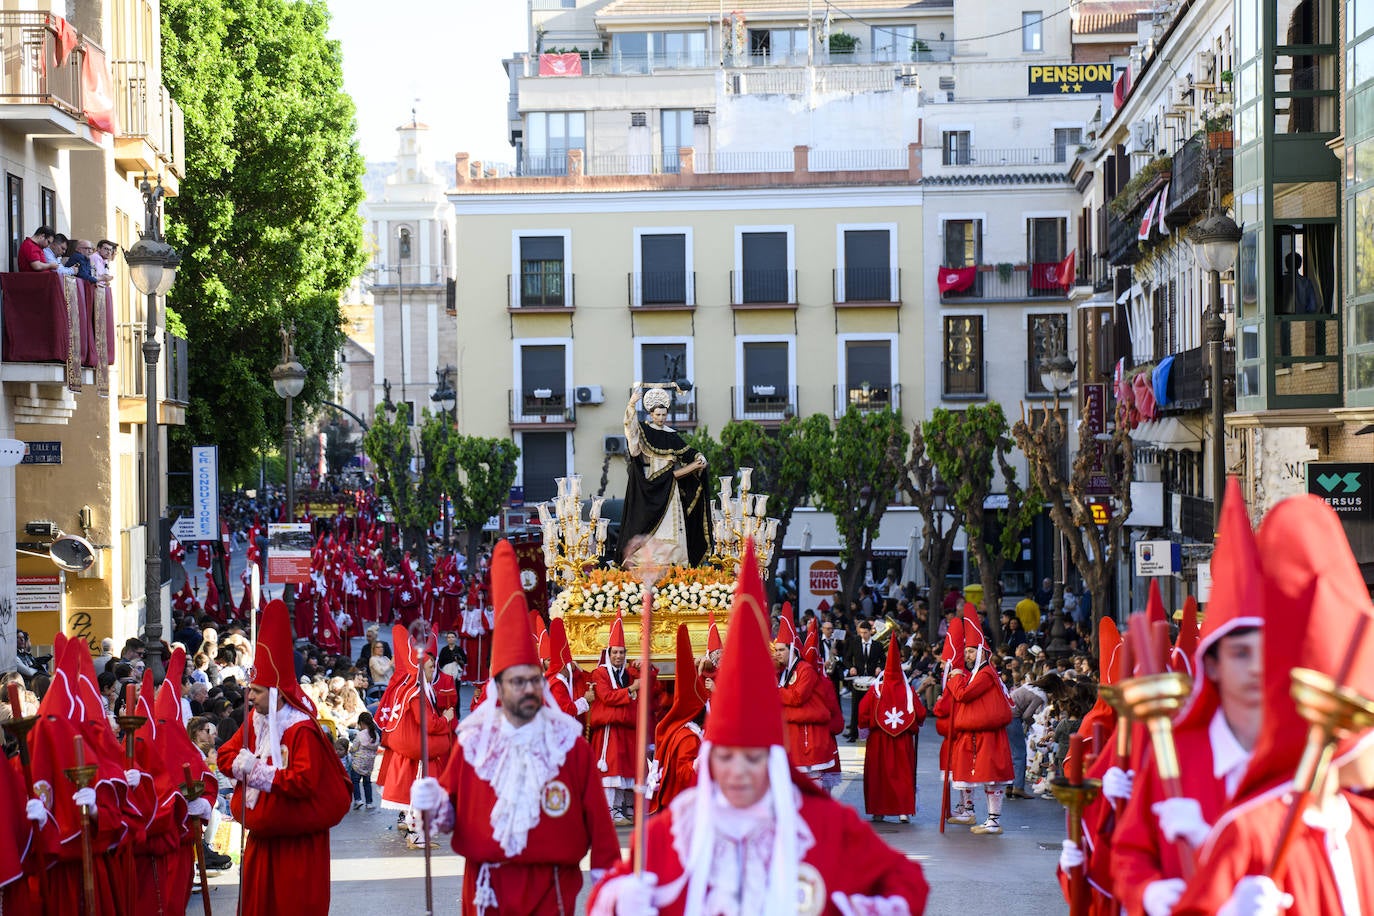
(288, 553)
(205, 492)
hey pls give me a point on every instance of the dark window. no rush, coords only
(403, 244)
(1046, 238)
(543, 459)
(868, 373)
(765, 267)
(867, 265)
(660, 360)
(543, 372)
(48, 205)
(963, 355)
(663, 262)
(410, 410)
(14, 211)
(1046, 335)
(957, 146)
(541, 270)
(963, 242)
(766, 378)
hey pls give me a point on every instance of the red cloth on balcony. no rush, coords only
(35, 317)
(957, 279)
(66, 38)
(560, 64)
(1053, 274)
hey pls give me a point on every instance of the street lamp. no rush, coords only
(1057, 374)
(1215, 239)
(288, 379)
(152, 266)
(447, 401)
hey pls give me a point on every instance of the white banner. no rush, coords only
(205, 491)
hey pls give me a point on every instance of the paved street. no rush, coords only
(373, 870)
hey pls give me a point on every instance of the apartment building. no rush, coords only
(83, 117)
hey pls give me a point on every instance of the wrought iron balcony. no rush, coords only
(867, 399)
(543, 408)
(763, 403)
(867, 285)
(538, 290)
(997, 284)
(964, 381)
(662, 289)
(763, 288)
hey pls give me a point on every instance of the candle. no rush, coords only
(760, 506)
(744, 475)
(1099, 738)
(16, 710)
(1125, 663)
(576, 486)
(562, 486)
(725, 484)
(1159, 630)
(772, 529)
(130, 699)
(1140, 643)
(602, 526)
(80, 751)
(544, 517)
(596, 508)
(1073, 763)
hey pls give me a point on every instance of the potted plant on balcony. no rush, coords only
(843, 43)
(1005, 270)
(1218, 129)
(920, 50)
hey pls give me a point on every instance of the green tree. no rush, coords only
(475, 472)
(397, 465)
(968, 448)
(266, 222)
(854, 479)
(938, 528)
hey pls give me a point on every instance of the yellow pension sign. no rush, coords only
(1070, 79)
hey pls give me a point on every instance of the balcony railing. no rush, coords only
(1096, 272)
(966, 380)
(682, 412)
(662, 289)
(30, 73)
(1196, 518)
(867, 400)
(1122, 235)
(1004, 157)
(867, 284)
(610, 63)
(542, 407)
(147, 111)
(540, 290)
(407, 274)
(129, 358)
(43, 324)
(173, 359)
(993, 284)
(1189, 186)
(850, 160)
(176, 358)
(763, 403)
(772, 287)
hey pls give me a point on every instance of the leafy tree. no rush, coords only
(968, 447)
(919, 481)
(390, 445)
(854, 478)
(475, 472)
(266, 222)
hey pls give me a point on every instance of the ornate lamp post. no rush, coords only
(288, 379)
(153, 268)
(1214, 243)
(1057, 375)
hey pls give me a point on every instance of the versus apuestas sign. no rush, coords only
(1347, 488)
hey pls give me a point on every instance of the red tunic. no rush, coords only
(16, 841)
(678, 763)
(575, 819)
(847, 856)
(286, 861)
(980, 751)
(612, 720)
(1140, 854)
(810, 745)
(1245, 839)
(401, 761)
(890, 761)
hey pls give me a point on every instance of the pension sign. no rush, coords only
(1070, 79)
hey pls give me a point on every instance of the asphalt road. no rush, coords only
(374, 872)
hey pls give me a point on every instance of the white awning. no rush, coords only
(1169, 433)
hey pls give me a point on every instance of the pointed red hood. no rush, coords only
(746, 709)
(895, 710)
(510, 642)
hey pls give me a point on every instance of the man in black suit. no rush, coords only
(864, 658)
(832, 655)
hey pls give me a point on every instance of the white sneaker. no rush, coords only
(370, 807)
(990, 826)
(357, 805)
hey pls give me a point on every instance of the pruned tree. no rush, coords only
(396, 463)
(919, 481)
(854, 479)
(968, 448)
(477, 475)
(1093, 545)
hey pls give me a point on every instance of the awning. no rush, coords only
(1169, 434)
(1131, 293)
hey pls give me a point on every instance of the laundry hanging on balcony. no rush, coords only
(66, 38)
(1159, 379)
(97, 92)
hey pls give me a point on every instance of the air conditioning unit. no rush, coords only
(1143, 137)
(1204, 68)
(616, 445)
(590, 394)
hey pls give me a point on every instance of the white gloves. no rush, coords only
(859, 905)
(633, 894)
(243, 764)
(133, 778)
(1071, 856)
(1118, 783)
(85, 798)
(1181, 817)
(199, 808)
(1161, 896)
(1256, 895)
(426, 794)
(34, 810)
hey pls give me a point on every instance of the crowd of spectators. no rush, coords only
(48, 250)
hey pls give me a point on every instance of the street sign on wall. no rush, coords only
(1346, 488)
(205, 492)
(1156, 558)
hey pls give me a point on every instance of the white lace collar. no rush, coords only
(516, 763)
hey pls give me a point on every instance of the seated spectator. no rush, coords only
(57, 253)
(80, 260)
(33, 250)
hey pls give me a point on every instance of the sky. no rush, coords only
(444, 53)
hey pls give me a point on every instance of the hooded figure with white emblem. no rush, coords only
(754, 836)
(521, 794)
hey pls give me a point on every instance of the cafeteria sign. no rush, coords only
(1070, 79)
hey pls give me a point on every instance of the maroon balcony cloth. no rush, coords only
(35, 318)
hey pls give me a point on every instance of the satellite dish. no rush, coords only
(12, 452)
(72, 553)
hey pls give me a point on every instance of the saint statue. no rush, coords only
(666, 495)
